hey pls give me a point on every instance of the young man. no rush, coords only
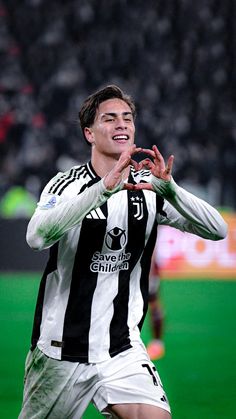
(100, 222)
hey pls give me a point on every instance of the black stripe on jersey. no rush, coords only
(60, 181)
(66, 179)
(71, 180)
(92, 181)
(119, 331)
(78, 312)
(51, 266)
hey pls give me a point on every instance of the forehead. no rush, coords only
(113, 106)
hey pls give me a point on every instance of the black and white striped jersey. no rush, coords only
(93, 294)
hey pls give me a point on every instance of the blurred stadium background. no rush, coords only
(178, 60)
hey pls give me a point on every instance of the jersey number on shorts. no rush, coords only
(152, 373)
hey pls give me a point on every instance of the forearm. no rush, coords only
(198, 216)
(48, 225)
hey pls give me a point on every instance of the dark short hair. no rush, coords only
(88, 110)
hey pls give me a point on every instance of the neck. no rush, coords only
(104, 164)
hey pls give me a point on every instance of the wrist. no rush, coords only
(108, 190)
(164, 188)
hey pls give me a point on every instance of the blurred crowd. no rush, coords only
(177, 58)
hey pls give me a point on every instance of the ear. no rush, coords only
(88, 132)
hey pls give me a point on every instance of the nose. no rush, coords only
(121, 123)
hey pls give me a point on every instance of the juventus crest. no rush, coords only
(137, 202)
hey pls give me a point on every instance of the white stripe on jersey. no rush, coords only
(151, 208)
(136, 304)
(56, 296)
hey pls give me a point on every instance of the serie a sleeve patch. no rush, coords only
(48, 201)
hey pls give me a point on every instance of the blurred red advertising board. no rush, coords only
(184, 255)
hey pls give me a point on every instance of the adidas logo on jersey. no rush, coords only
(96, 214)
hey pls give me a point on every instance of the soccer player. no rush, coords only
(100, 220)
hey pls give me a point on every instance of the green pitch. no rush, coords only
(198, 371)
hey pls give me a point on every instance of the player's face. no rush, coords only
(113, 129)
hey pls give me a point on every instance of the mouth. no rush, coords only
(120, 137)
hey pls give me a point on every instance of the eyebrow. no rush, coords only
(114, 114)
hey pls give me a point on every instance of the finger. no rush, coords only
(129, 152)
(133, 149)
(138, 149)
(128, 186)
(169, 165)
(125, 158)
(142, 186)
(122, 164)
(126, 155)
(147, 163)
(135, 164)
(158, 155)
(148, 151)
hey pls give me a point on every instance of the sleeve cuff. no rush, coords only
(109, 192)
(164, 188)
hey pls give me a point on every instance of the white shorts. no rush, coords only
(62, 390)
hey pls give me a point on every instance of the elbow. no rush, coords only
(33, 239)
